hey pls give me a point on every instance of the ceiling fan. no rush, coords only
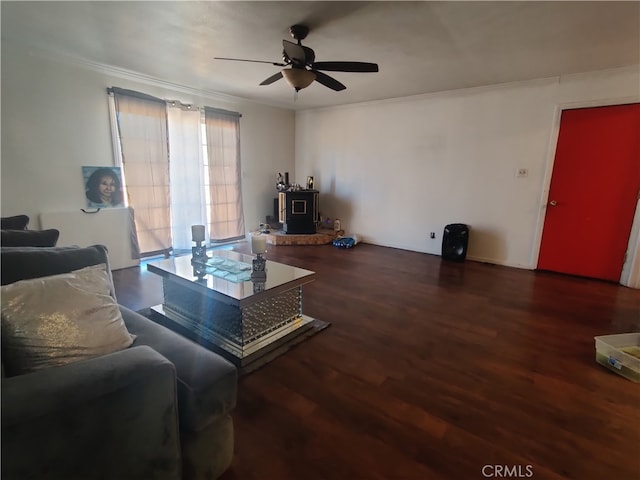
(303, 69)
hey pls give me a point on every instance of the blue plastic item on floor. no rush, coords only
(344, 242)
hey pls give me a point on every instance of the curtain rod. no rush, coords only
(144, 96)
(133, 93)
(222, 111)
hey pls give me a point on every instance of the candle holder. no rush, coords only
(259, 264)
(259, 273)
(199, 252)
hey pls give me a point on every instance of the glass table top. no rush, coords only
(236, 267)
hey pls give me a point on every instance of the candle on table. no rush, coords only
(197, 233)
(258, 243)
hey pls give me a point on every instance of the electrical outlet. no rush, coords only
(522, 172)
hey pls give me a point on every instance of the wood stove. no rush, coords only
(298, 211)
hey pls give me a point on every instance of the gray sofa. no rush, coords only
(159, 409)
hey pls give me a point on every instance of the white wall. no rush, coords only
(392, 171)
(55, 119)
(396, 170)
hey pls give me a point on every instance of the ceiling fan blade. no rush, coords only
(254, 61)
(346, 66)
(328, 81)
(272, 79)
(294, 51)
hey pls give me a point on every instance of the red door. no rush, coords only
(593, 193)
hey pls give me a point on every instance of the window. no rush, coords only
(181, 167)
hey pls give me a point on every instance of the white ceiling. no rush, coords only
(421, 47)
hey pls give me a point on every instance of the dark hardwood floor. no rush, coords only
(436, 370)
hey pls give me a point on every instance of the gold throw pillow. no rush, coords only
(60, 319)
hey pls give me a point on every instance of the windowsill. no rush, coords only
(180, 253)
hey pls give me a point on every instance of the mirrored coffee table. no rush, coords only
(216, 304)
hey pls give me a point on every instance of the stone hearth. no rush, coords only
(321, 237)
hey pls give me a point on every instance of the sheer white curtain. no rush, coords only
(186, 170)
(226, 217)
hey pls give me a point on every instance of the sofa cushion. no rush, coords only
(22, 263)
(29, 238)
(60, 319)
(17, 222)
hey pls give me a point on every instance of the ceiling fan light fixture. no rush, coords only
(298, 78)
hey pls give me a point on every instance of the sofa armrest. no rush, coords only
(75, 420)
(26, 397)
(207, 383)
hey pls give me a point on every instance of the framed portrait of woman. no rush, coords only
(103, 187)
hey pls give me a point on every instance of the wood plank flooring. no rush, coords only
(435, 370)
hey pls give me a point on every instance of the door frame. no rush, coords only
(630, 276)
